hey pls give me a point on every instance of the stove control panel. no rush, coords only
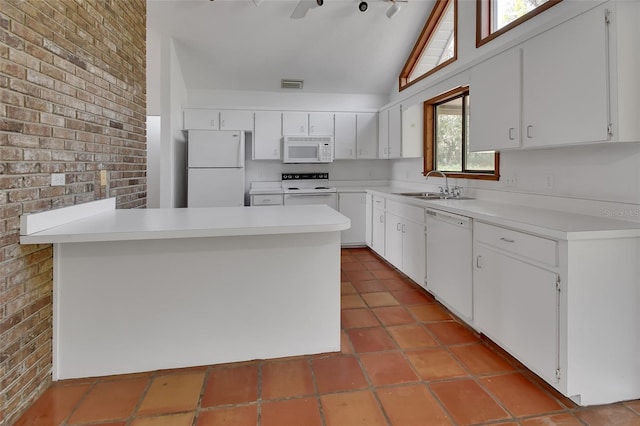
(304, 176)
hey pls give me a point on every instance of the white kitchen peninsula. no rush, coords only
(146, 289)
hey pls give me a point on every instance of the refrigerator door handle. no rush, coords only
(240, 144)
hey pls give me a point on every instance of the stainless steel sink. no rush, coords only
(441, 197)
(414, 194)
(430, 196)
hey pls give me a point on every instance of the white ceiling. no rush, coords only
(234, 45)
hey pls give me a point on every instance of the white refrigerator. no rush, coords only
(215, 164)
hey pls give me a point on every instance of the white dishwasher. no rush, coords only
(449, 261)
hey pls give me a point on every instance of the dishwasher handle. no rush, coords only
(450, 218)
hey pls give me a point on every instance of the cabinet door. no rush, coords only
(393, 239)
(383, 134)
(236, 120)
(321, 124)
(495, 100)
(201, 119)
(295, 123)
(267, 136)
(412, 131)
(367, 135)
(353, 205)
(368, 220)
(378, 231)
(565, 93)
(345, 136)
(517, 305)
(395, 132)
(413, 251)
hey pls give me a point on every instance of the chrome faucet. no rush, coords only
(444, 191)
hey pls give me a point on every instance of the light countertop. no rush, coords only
(145, 224)
(544, 222)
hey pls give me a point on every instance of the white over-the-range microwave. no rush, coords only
(307, 149)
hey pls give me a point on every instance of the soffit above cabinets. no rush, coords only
(234, 45)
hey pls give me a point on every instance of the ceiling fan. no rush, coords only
(303, 7)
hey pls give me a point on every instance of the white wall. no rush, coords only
(285, 100)
(153, 161)
(603, 172)
(173, 141)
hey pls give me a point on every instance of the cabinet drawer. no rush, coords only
(378, 202)
(536, 248)
(408, 211)
(267, 200)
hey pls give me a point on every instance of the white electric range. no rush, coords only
(308, 188)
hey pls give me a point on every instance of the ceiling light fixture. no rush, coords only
(393, 9)
(363, 6)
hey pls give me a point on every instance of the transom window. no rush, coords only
(495, 17)
(447, 141)
(436, 47)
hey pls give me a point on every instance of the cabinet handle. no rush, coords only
(302, 129)
(530, 132)
(507, 240)
(478, 262)
(404, 228)
(398, 226)
(222, 123)
(511, 130)
(381, 219)
(213, 123)
(267, 200)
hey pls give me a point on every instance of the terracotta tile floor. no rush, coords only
(405, 361)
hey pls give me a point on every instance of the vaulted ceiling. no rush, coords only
(335, 48)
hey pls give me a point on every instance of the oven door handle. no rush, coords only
(310, 195)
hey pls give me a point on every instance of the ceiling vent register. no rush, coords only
(291, 84)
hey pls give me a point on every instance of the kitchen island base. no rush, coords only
(131, 306)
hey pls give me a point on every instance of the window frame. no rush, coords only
(429, 138)
(421, 44)
(484, 15)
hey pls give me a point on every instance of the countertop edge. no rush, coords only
(538, 229)
(176, 234)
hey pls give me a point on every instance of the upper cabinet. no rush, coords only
(267, 135)
(320, 124)
(390, 132)
(307, 124)
(567, 85)
(565, 99)
(295, 123)
(495, 114)
(345, 136)
(213, 119)
(367, 135)
(412, 134)
(356, 135)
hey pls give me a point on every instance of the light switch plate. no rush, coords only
(57, 179)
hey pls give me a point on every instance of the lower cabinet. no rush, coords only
(377, 231)
(353, 205)
(405, 239)
(516, 304)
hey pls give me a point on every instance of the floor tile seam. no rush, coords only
(536, 381)
(510, 417)
(79, 403)
(143, 395)
(316, 389)
(497, 400)
(372, 389)
(551, 413)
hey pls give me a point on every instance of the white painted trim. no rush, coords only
(36, 222)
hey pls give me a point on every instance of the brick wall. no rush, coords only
(72, 101)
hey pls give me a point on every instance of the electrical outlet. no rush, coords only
(511, 181)
(549, 181)
(103, 178)
(57, 179)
